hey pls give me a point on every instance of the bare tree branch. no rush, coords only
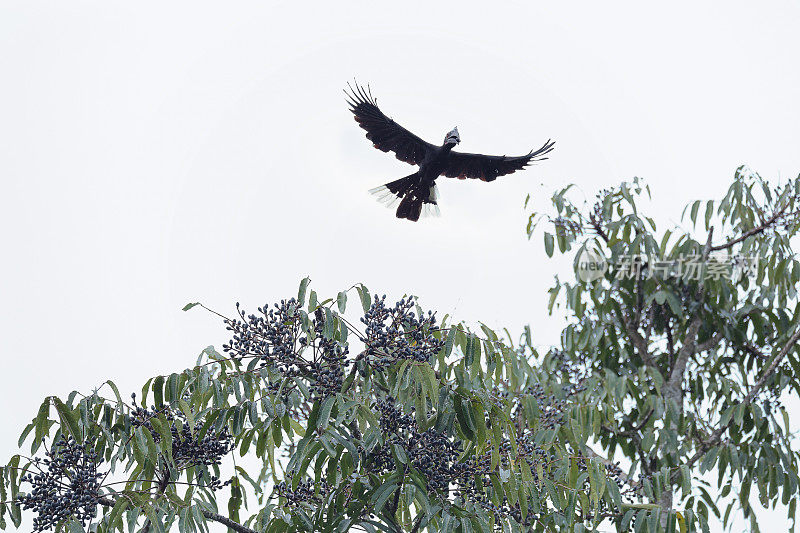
(716, 436)
(687, 350)
(214, 517)
(710, 343)
(753, 231)
(637, 340)
(673, 388)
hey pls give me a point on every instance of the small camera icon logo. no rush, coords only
(591, 265)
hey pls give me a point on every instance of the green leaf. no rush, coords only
(325, 412)
(674, 303)
(69, 419)
(464, 417)
(449, 341)
(366, 299)
(27, 431)
(158, 392)
(549, 244)
(190, 305)
(41, 423)
(329, 325)
(139, 445)
(312, 301)
(301, 292)
(382, 494)
(479, 420)
(152, 449)
(686, 480)
(341, 300)
(116, 391)
(709, 459)
(235, 501)
(695, 208)
(115, 516)
(163, 428)
(74, 527)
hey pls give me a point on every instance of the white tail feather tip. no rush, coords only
(431, 210)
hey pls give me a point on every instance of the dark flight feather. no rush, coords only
(385, 134)
(489, 167)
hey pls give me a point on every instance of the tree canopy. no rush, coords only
(693, 338)
(658, 411)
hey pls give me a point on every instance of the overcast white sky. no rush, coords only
(156, 153)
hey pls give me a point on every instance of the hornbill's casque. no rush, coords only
(418, 190)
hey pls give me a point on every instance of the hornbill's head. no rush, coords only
(452, 137)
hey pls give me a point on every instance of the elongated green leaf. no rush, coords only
(325, 412)
(549, 244)
(69, 419)
(41, 423)
(301, 292)
(382, 494)
(115, 516)
(464, 416)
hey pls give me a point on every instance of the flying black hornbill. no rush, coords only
(419, 189)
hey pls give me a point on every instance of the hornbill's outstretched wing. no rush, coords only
(385, 133)
(488, 167)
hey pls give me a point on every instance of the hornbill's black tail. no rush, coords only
(415, 200)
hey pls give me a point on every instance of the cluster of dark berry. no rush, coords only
(769, 397)
(431, 453)
(473, 484)
(506, 510)
(396, 428)
(617, 475)
(380, 459)
(212, 482)
(434, 456)
(66, 486)
(614, 473)
(398, 334)
(568, 225)
(328, 379)
(574, 373)
(552, 404)
(330, 361)
(305, 492)
(531, 451)
(772, 403)
(189, 448)
(276, 338)
(271, 335)
(392, 419)
(551, 408)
